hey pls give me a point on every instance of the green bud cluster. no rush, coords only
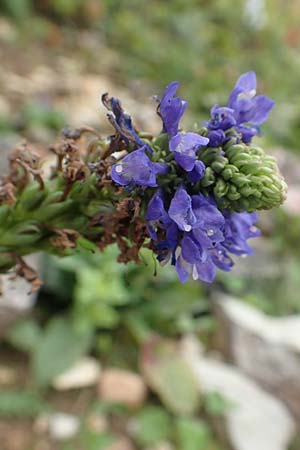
(242, 177)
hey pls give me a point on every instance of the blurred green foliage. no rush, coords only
(205, 45)
(21, 403)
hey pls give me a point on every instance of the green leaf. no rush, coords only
(192, 434)
(86, 244)
(170, 377)
(59, 347)
(25, 335)
(20, 404)
(18, 9)
(152, 425)
(95, 285)
(96, 441)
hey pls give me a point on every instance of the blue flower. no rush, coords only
(171, 109)
(156, 215)
(238, 228)
(196, 235)
(197, 173)
(245, 111)
(249, 108)
(121, 121)
(158, 218)
(185, 146)
(180, 210)
(216, 138)
(201, 270)
(137, 169)
(221, 118)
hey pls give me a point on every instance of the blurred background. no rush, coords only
(105, 356)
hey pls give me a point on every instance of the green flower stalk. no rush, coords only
(190, 197)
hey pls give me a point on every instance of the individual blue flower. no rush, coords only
(184, 146)
(156, 215)
(158, 218)
(198, 172)
(216, 138)
(180, 210)
(249, 108)
(202, 269)
(137, 169)
(171, 109)
(245, 111)
(239, 227)
(121, 121)
(221, 259)
(221, 118)
(209, 221)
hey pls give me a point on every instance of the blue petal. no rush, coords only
(198, 172)
(171, 109)
(262, 108)
(246, 82)
(181, 210)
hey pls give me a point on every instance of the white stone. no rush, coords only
(85, 372)
(63, 426)
(256, 420)
(265, 348)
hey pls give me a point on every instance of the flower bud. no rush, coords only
(243, 178)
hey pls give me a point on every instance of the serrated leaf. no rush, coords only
(170, 377)
(25, 335)
(59, 347)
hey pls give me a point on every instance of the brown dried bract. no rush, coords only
(7, 193)
(124, 227)
(30, 164)
(27, 272)
(64, 238)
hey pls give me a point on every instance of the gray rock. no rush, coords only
(256, 420)
(265, 348)
(16, 301)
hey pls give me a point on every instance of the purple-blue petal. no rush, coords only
(206, 271)
(216, 138)
(262, 108)
(185, 146)
(180, 210)
(171, 109)
(198, 172)
(137, 169)
(246, 82)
